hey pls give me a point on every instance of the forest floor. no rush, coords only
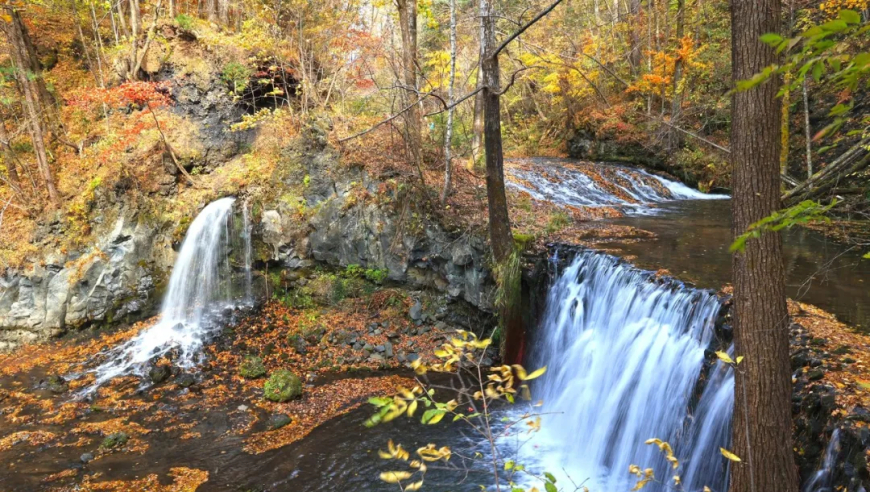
(344, 354)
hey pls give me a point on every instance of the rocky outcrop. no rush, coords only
(114, 280)
(359, 220)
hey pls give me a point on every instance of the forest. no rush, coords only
(447, 245)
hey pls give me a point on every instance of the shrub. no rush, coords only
(114, 440)
(252, 368)
(236, 76)
(377, 276)
(184, 21)
(282, 386)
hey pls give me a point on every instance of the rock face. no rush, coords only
(347, 230)
(112, 281)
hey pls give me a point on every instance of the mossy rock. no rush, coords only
(252, 368)
(282, 386)
(114, 440)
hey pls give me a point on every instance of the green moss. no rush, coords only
(252, 368)
(282, 386)
(114, 440)
(523, 240)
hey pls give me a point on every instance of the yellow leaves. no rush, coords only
(395, 476)
(724, 357)
(394, 452)
(645, 476)
(667, 449)
(728, 454)
(534, 425)
(429, 453)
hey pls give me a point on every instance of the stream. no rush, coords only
(602, 313)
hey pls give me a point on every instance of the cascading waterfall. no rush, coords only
(249, 256)
(200, 291)
(625, 351)
(598, 185)
(823, 479)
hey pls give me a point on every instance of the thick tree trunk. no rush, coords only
(762, 426)
(413, 120)
(500, 235)
(29, 78)
(224, 12)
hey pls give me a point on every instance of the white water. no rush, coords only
(624, 352)
(566, 185)
(200, 288)
(823, 479)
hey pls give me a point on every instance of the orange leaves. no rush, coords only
(141, 94)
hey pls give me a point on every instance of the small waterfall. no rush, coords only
(199, 294)
(625, 351)
(246, 235)
(823, 479)
(598, 185)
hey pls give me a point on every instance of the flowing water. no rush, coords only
(823, 479)
(201, 291)
(625, 351)
(582, 184)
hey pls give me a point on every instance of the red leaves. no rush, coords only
(141, 94)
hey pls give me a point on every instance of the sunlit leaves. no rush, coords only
(805, 212)
(728, 454)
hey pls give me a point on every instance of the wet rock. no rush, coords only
(816, 375)
(412, 357)
(115, 440)
(185, 380)
(416, 312)
(278, 420)
(159, 373)
(282, 386)
(56, 384)
(252, 368)
(87, 457)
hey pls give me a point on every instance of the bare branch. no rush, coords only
(523, 29)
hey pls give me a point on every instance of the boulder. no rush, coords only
(282, 386)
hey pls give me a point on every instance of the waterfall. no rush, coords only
(199, 294)
(823, 479)
(597, 185)
(625, 351)
(246, 235)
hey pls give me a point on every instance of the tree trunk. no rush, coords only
(762, 428)
(500, 236)
(135, 19)
(28, 82)
(808, 130)
(173, 9)
(448, 132)
(211, 10)
(224, 12)
(474, 165)
(676, 102)
(413, 120)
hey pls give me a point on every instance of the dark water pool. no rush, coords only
(693, 240)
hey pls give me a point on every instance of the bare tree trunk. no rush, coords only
(448, 132)
(173, 9)
(676, 102)
(474, 165)
(808, 132)
(224, 12)
(762, 430)
(28, 77)
(9, 156)
(500, 236)
(135, 19)
(413, 120)
(122, 18)
(211, 11)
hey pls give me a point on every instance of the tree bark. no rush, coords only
(762, 429)
(474, 165)
(808, 132)
(28, 77)
(413, 120)
(448, 132)
(500, 236)
(224, 12)
(676, 102)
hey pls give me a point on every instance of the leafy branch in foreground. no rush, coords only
(475, 390)
(805, 212)
(821, 51)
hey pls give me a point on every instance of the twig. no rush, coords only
(523, 29)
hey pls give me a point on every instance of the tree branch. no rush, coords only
(523, 29)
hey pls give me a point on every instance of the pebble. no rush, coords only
(87, 457)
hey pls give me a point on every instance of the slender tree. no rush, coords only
(762, 431)
(448, 132)
(413, 118)
(28, 75)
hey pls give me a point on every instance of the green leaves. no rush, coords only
(803, 213)
(850, 17)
